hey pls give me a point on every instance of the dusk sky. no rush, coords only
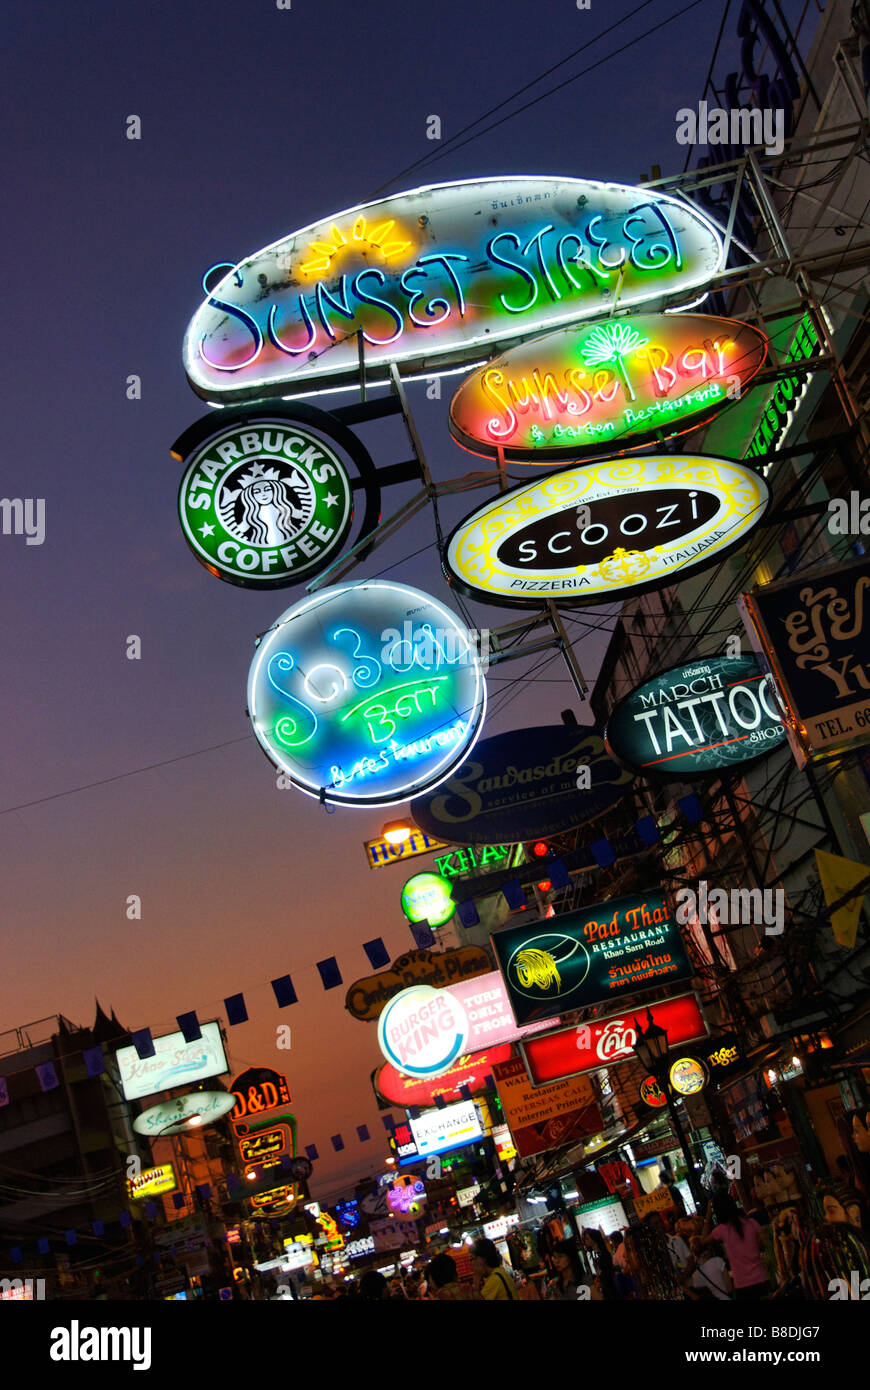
(255, 121)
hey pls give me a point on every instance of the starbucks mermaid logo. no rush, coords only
(265, 503)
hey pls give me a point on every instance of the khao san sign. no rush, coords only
(594, 533)
(596, 388)
(436, 277)
(366, 693)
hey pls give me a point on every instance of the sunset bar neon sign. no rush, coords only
(437, 277)
(590, 389)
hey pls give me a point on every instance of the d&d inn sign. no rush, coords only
(596, 532)
(624, 946)
(698, 719)
(590, 389)
(439, 276)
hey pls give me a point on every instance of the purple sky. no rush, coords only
(254, 121)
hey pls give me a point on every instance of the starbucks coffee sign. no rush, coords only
(265, 502)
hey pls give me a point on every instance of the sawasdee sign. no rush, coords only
(624, 946)
(603, 1042)
(592, 389)
(366, 694)
(523, 784)
(438, 276)
(599, 531)
(714, 713)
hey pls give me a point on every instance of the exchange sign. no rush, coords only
(698, 719)
(597, 532)
(594, 389)
(623, 946)
(264, 502)
(439, 276)
(366, 694)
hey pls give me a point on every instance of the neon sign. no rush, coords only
(367, 693)
(264, 502)
(436, 276)
(194, 1110)
(596, 532)
(151, 1182)
(591, 389)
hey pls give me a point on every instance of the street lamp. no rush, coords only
(651, 1049)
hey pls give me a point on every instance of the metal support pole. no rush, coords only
(399, 388)
(567, 651)
(361, 354)
(691, 1179)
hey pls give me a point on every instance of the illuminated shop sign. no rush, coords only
(460, 861)
(266, 1147)
(422, 1031)
(367, 997)
(257, 1090)
(781, 405)
(651, 1093)
(438, 276)
(192, 1111)
(504, 1145)
(593, 389)
(545, 1118)
(521, 785)
(687, 1076)
(355, 1249)
(715, 713)
(605, 1041)
(470, 1070)
(366, 694)
(151, 1182)
(407, 1197)
(597, 532)
(450, 1128)
(427, 898)
(264, 502)
(381, 852)
(347, 1214)
(812, 631)
(175, 1062)
(623, 946)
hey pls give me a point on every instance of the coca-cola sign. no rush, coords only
(605, 1041)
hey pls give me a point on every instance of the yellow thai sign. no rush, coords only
(151, 1182)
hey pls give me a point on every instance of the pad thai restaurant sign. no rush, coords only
(697, 719)
(813, 631)
(613, 385)
(624, 946)
(439, 276)
(601, 531)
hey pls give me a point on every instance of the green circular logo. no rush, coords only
(265, 503)
(427, 898)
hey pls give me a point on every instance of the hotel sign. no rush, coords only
(436, 277)
(601, 388)
(381, 852)
(367, 997)
(601, 531)
(624, 946)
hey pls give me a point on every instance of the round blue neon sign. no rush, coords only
(367, 694)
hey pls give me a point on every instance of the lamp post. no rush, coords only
(651, 1048)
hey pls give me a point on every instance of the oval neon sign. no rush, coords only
(366, 693)
(714, 713)
(599, 387)
(439, 276)
(592, 533)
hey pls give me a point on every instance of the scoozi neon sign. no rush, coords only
(588, 389)
(367, 693)
(432, 277)
(594, 532)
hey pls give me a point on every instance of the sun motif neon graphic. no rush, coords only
(611, 343)
(360, 239)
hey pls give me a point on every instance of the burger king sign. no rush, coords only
(423, 1030)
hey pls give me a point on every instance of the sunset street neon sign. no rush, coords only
(436, 276)
(590, 389)
(596, 532)
(366, 693)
